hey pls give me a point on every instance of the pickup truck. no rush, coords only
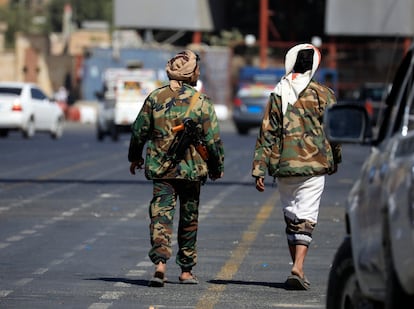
(374, 265)
(122, 99)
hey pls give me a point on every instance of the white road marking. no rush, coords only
(100, 306)
(145, 264)
(56, 262)
(112, 295)
(122, 285)
(4, 293)
(2, 209)
(24, 281)
(68, 255)
(3, 245)
(40, 271)
(136, 273)
(14, 238)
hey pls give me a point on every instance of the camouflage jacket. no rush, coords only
(164, 109)
(294, 144)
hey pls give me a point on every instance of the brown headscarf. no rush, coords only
(183, 67)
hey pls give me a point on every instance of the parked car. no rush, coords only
(25, 107)
(122, 99)
(249, 105)
(374, 266)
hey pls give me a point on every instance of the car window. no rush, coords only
(374, 93)
(410, 115)
(37, 94)
(392, 122)
(405, 106)
(10, 90)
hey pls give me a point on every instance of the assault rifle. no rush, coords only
(187, 134)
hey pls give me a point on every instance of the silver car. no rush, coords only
(374, 265)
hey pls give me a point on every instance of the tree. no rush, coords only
(81, 11)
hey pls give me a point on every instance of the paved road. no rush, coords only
(74, 230)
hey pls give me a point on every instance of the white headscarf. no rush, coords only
(292, 84)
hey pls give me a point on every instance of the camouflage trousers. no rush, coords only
(162, 208)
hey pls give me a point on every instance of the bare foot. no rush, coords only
(297, 272)
(161, 267)
(185, 275)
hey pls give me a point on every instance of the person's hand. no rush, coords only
(260, 184)
(136, 165)
(216, 176)
(334, 170)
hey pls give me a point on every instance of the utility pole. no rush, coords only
(263, 31)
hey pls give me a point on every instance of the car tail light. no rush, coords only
(369, 108)
(17, 107)
(237, 102)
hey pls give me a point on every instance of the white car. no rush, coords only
(26, 108)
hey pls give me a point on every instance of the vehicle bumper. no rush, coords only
(11, 121)
(247, 119)
(126, 113)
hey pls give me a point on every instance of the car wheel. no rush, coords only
(4, 132)
(242, 130)
(100, 134)
(29, 131)
(58, 130)
(114, 133)
(343, 287)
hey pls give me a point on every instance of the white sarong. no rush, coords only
(301, 196)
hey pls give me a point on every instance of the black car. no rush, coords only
(249, 105)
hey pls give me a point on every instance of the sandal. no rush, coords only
(157, 280)
(294, 282)
(192, 280)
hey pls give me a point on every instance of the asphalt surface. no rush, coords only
(74, 230)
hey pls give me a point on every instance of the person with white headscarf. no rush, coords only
(292, 148)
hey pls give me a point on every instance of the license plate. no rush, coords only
(254, 109)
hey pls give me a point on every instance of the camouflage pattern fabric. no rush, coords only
(162, 210)
(294, 144)
(162, 110)
(299, 231)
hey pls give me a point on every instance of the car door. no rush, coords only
(42, 110)
(372, 202)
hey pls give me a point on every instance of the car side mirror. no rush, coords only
(347, 123)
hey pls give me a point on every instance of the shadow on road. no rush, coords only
(121, 280)
(278, 285)
(113, 182)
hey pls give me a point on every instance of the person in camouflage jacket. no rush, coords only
(292, 148)
(181, 178)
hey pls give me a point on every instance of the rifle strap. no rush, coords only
(193, 101)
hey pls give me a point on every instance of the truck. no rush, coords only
(121, 99)
(374, 265)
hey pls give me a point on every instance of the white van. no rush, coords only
(124, 94)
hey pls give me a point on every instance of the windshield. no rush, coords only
(10, 90)
(374, 93)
